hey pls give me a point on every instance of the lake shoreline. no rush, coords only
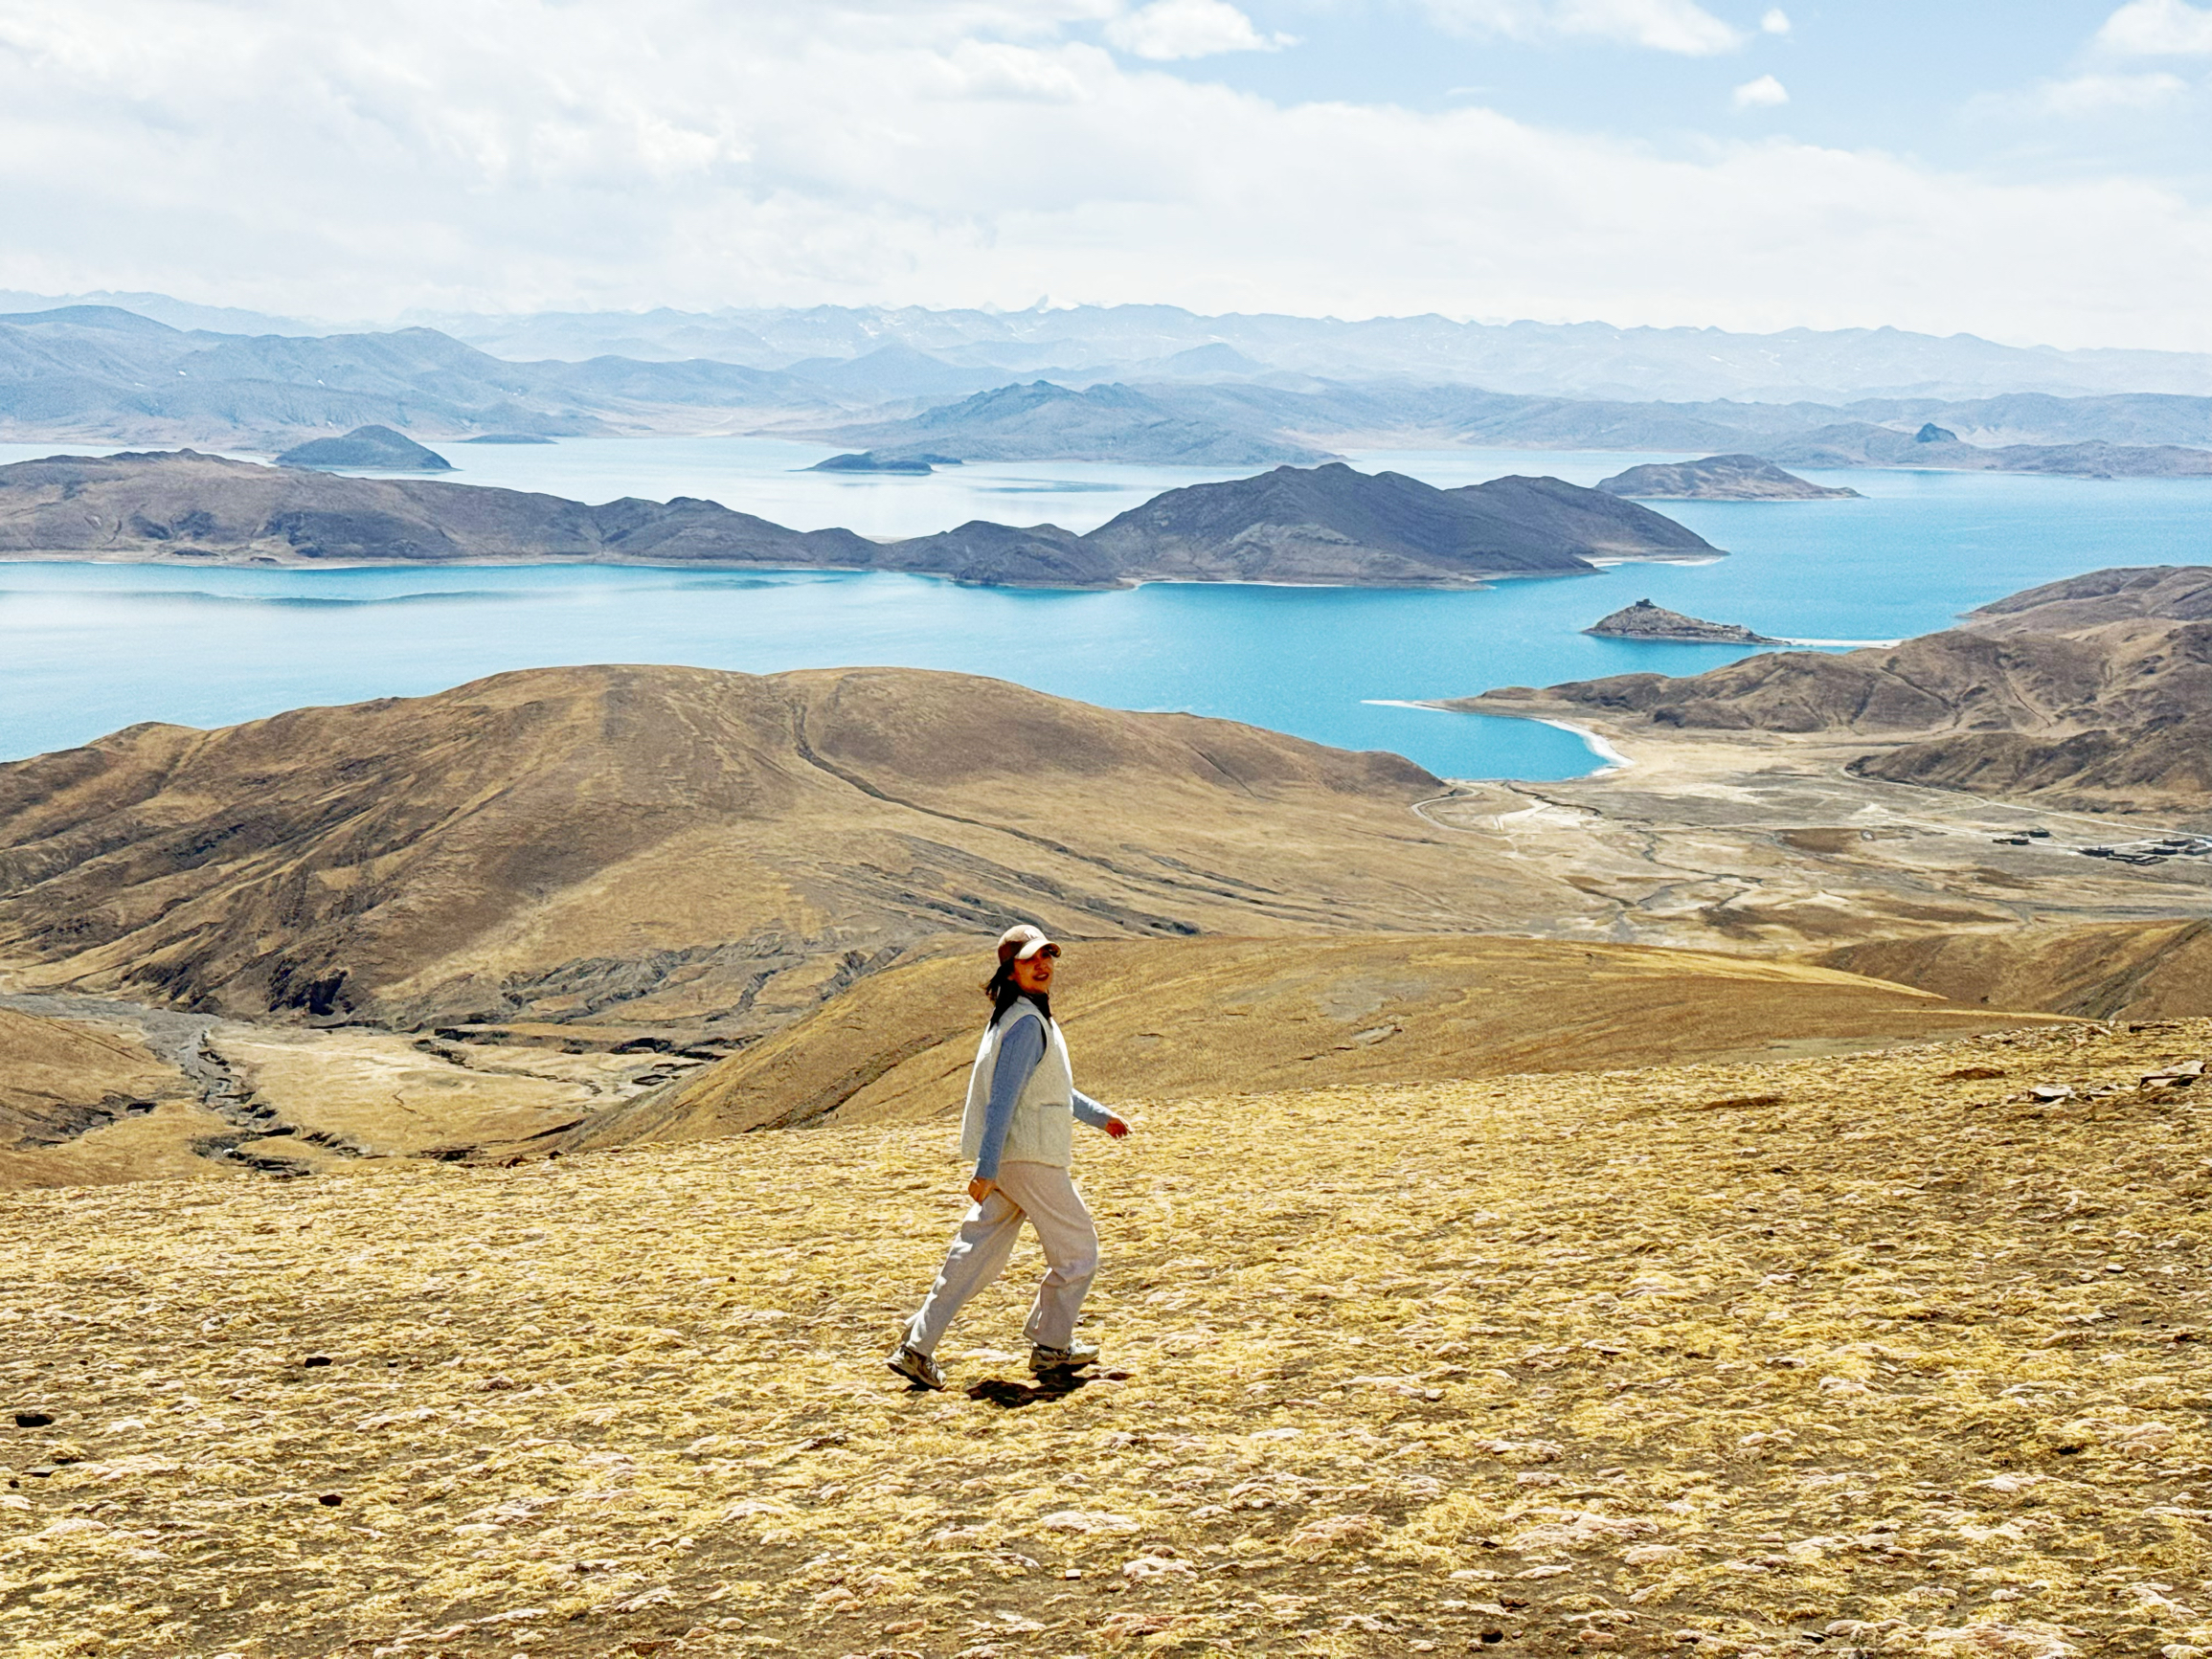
(89, 645)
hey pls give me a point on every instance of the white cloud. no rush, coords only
(1776, 21)
(2102, 93)
(1764, 93)
(322, 157)
(1168, 28)
(2157, 28)
(1662, 24)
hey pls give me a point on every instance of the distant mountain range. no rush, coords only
(1042, 421)
(1164, 343)
(1327, 524)
(103, 373)
(1854, 443)
(2142, 435)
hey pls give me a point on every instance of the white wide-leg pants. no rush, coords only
(1044, 1195)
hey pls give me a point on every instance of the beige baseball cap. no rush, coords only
(1020, 942)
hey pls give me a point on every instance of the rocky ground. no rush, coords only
(1881, 1354)
(1764, 839)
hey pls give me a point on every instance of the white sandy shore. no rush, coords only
(1615, 760)
(1855, 645)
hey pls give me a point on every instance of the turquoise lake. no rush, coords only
(88, 648)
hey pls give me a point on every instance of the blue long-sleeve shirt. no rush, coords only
(1021, 1045)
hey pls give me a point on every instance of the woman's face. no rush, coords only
(1035, 974)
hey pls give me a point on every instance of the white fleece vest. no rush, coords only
(1044, 1127)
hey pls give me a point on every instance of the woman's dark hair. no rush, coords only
(1002, 992)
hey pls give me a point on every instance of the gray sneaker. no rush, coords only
(917, 1367)
(1044, 1360)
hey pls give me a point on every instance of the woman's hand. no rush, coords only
(1117, 1126)
(983, 1187)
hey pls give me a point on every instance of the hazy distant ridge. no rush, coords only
(1577, 359)
(106, 374)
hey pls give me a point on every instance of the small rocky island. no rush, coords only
(1645, 620)
(1717, 478)
(898, 465)
(375, 447)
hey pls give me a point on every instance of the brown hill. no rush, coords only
(1166, 1019)
(663, 845)
(208, 511)
(79, 1102)
(2118, 971)
(2091, 692)
(1327, 524)
(1334, 523)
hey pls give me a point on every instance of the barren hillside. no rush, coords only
(2116, 970)
(62, 1078)
(689, 847)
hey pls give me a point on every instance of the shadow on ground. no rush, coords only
(1054, 1385)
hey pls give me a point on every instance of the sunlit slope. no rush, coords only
(683, 847)
(2118, 970)
(80, 1101)
(1195, 1016)
(1874, 1349)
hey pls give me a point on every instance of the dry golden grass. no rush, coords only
(1171, 1018)
(1685, 1360)
(83, 1101)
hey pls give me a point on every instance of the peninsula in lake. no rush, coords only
(2091, 694)
(1324, 525)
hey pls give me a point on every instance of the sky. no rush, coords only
(2034, 172)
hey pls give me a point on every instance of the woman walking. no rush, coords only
(1018, 1127)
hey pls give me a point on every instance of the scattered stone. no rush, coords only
(1333, 1531)
(1153, 1566)
(1524, 1451)
(1121, 1626)
(1086, 1521)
